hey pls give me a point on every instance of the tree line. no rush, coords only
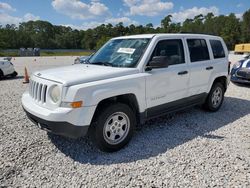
(43, 34)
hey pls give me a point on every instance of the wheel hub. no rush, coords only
(217, 97)
(116, 128)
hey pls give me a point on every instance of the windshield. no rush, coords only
(120, 52)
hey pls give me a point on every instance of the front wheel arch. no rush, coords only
(128, 99)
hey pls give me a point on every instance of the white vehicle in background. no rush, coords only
(126, 82)
(7, 69)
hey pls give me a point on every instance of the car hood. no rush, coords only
(83, 73)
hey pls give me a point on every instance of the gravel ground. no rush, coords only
(191, 148)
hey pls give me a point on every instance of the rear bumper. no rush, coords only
(59, 128)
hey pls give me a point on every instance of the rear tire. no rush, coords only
(114, 127)
(215, 97)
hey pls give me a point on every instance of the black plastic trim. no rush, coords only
(172, 107)
(60, 128)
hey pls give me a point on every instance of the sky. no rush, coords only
(84, 14)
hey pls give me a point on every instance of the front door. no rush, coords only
(166, 85)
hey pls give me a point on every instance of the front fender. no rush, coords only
(93, 93)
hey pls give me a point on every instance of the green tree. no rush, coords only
(246, 27)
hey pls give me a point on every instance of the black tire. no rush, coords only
(210, 103)
(14, 74)
(1, 74)
(102, 136)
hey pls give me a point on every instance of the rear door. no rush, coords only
(219, 56)
(200, 65)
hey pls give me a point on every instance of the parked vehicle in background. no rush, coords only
(242, 48)
(7, 58)
(81, 59)
(127, 81)
(240, 72)
(7, 69)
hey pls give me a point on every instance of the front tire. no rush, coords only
(215, 97)
(114, 127)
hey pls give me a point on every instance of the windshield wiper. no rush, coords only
(102, 63)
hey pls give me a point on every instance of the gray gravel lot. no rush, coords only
(191, 148)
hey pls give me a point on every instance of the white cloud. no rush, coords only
(77, 9)
(239, 16)
(4, 7)
(93, 24)
(29, 16)
(147, 7)
(131, 3)
(192, 12)
(8, 19)
(239, 5)
(124, 20)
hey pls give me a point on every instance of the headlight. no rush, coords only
(55, 94)
(236, 65)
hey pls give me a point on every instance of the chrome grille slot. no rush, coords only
(44, 93)
(38, 91)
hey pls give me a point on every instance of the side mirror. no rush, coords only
(158, 62)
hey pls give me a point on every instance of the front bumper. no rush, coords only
(68, 122)
(236, 79)
(59, 128)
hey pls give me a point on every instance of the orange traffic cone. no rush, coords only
(26, 76)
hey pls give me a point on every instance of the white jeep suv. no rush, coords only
(129, 80)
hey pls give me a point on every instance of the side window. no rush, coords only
(198, 50)
(172, 49)
(217, 49)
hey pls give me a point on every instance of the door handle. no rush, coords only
(182, 72)
(209, 68)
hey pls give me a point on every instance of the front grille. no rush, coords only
(38, 91)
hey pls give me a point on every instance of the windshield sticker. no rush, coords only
(126, 50)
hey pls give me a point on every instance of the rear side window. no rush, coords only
(217, 49)
(172, 49)
(198, 50)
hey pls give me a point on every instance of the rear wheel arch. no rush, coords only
(222, 80)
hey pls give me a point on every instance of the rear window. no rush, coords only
(217, 49)
(198, 50)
